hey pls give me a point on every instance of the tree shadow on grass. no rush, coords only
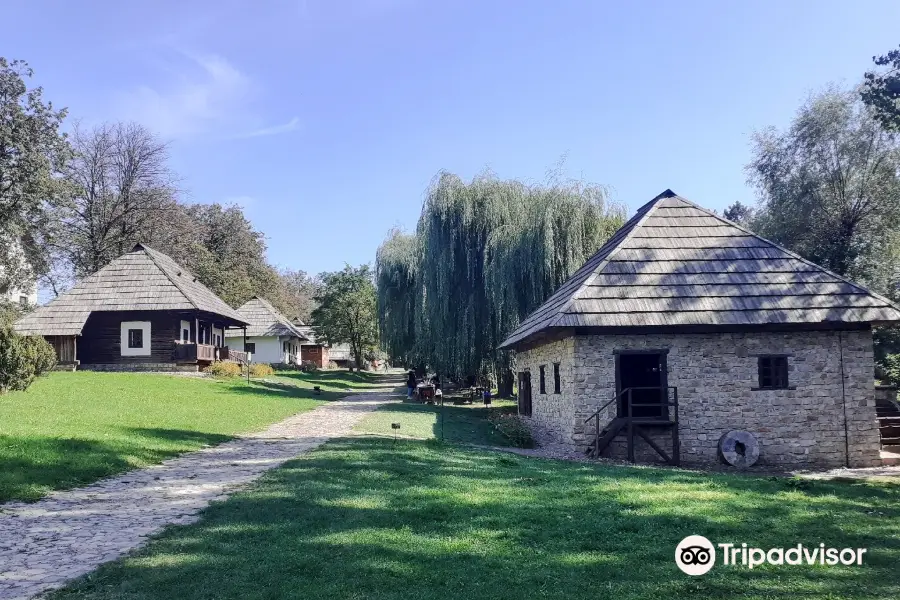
(273, 389)
(365, 518)
(459, 424)
(32, 466)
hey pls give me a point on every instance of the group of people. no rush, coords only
(412, 384)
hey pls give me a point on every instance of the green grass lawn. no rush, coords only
(332, 380)
(70, 429)
(362, 518)
(466, 424)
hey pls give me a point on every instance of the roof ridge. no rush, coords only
(647, 209)
(276, 314)
(789, 252)
(150, 252)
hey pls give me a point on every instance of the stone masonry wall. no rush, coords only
(552, 413)
(715, 375)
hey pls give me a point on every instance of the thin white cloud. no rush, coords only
(202, 94)
(291, 125)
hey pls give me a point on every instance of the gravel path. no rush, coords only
(69, 533)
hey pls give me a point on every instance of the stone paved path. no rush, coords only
(70, 533)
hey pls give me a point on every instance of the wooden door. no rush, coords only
(525, 394)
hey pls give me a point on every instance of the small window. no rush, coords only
(543, 382)
(773, 372)
(250, 347)
(556, 384)
(135, 338)
(23, 301)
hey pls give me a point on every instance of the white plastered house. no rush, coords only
(271, 337)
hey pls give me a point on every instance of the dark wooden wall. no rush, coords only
(100, 341)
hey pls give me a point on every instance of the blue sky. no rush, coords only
(327, 120)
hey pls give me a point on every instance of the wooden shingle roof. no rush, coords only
(142, 279)
(677, 264)
(265, 320)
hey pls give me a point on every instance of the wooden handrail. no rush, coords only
(630, 421)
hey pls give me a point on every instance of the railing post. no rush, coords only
(630, 430)
(597, 436)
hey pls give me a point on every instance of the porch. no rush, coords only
(206, 353)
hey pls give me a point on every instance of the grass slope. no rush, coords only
(70, 429)
(364, 519)
(465, 424)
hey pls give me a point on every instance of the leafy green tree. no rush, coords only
(347, 311)
(881, 90)
(829, 188)
(297, 298)
(33, 153)
(739, 213)
(228, 255)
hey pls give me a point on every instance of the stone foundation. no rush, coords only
(141, 367)
(716, 375)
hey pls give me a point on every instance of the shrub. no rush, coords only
(308, 366)
(22, 359)
(284, 367)
(16, 370)
(224, 369)
(40, 353)
(513, 428)
(261, 370)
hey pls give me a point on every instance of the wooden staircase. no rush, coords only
(633, 426)
(888, 415)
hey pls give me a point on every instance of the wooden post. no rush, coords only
(630, 430)
(197, 329)
(676, 443)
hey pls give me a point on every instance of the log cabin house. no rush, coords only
(685, 327)
(141, 312)
(270, 336)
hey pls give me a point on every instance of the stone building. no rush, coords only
(694, 327)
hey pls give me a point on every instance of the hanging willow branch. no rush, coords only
(484, 255)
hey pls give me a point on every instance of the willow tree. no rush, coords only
(484, 255)
(396, 277)
(548, 237)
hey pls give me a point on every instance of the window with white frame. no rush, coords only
(135, 338)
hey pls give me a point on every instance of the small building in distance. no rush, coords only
(142, 311)
(684, 327)
(271, 337)
(26, 296)
(318, 352)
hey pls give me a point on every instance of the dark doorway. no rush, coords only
(525, 394)
(642, 370)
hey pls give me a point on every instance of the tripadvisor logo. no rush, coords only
(696, 555)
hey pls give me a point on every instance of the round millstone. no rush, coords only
(739, 449)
